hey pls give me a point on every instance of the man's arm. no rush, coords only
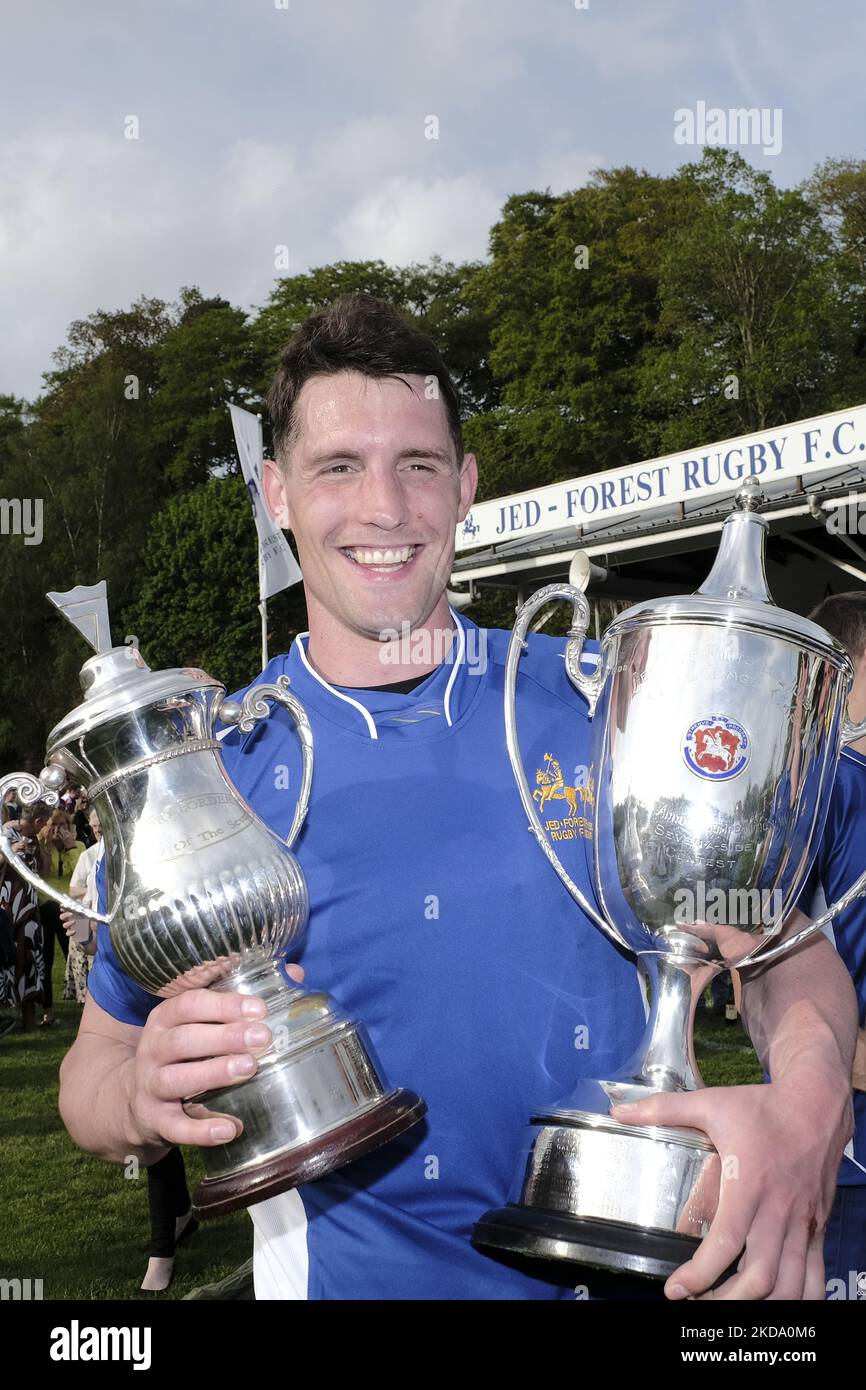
(781, 1143)
(858, 1078)
(122, 1087)
(94, 1093)
(801, 1010)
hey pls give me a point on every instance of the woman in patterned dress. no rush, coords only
(22, 983)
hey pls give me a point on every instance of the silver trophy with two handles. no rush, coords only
(202, 893)
(717, 724)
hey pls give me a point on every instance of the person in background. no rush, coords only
(60, 854)
(81, 819)
(22, 978)
(80, 931)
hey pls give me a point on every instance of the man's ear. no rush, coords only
(468, 485)
(274, 487)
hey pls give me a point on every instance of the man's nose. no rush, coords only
(383, 501)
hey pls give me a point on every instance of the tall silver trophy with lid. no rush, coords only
(202, 893)
(717, 723)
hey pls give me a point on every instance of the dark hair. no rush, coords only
(844, 616)
(357, 333)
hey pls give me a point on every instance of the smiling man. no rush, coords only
(433, 917)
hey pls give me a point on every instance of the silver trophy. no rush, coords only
(717, 723)
(202, 893)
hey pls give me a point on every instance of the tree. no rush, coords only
(206, 359)
(571, 294)
(750, 332)
(197, 599)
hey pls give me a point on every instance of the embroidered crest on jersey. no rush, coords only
(551, 787)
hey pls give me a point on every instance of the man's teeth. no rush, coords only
(382, 557)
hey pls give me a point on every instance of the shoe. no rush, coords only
(160, 1272)
(51, 1023)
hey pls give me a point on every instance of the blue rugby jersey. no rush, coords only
(437, 923)
(840, 860)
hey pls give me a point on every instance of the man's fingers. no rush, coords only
(791, 1277)
(719, 1249)
(189, 1042)
(206, 1006)
(191, 1078)
(204, 1128)
(758, 1270)
(297, 972)
(814, 1288)
(685, 1108)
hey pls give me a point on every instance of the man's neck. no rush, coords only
(348, 658)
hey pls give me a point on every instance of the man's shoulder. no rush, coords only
(276, 667)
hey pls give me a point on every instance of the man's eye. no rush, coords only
(338, 468)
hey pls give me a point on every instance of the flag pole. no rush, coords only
(263, 603)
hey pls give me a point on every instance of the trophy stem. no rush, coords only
(665, 1058)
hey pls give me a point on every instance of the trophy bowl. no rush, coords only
(717, 723)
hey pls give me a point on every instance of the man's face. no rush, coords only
(373, 493)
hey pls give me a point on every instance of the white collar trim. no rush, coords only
(356, 704)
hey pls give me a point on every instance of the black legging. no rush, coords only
(168, 1198)
(52, 927)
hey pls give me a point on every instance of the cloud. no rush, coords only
(409, 219)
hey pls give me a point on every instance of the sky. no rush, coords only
(149, 145)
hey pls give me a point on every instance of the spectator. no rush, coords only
(80, 930)
(22, 978)
(60, 853)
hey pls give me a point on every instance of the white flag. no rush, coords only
(278, 568)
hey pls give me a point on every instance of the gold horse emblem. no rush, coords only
(551, 787)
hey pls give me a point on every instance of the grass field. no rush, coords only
(81, 1226)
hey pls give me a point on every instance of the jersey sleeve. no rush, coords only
(110, 986)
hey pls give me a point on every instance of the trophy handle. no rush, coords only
(589, 686)
(851, 731)
(253, 708)
(857, 890)
(45, 788)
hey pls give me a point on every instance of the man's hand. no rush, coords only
(197, 1041)
(780, 1145)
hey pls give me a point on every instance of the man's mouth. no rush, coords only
(386, 561)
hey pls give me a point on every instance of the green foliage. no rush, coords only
(749, 332)
(205, 360)
(197, 601)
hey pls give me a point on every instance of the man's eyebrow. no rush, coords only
(441, 454)
(414, 452)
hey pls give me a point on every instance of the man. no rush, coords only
(841, 859)
(434, 919)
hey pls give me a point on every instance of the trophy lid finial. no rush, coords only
(86, 607)
(749, 497)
